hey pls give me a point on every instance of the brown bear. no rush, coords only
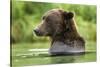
(60, 26)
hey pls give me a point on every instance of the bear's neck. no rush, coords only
(71, 34)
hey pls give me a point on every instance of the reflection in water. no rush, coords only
(36, 59)
(62, 59)
(69, 58)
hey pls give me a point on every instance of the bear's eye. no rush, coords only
(43, 17)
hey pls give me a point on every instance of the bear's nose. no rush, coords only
(36, 31)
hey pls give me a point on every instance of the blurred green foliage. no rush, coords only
(25, 16)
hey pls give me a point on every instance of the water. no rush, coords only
(36, 58)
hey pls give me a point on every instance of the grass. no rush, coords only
(21, 56)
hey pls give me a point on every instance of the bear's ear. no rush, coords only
(68, 15)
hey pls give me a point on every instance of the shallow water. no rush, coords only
(36, 58)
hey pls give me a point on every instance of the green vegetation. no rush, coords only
(25, 16)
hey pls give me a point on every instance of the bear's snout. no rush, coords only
(37, 32)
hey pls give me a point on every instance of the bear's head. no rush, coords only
(54, 22)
